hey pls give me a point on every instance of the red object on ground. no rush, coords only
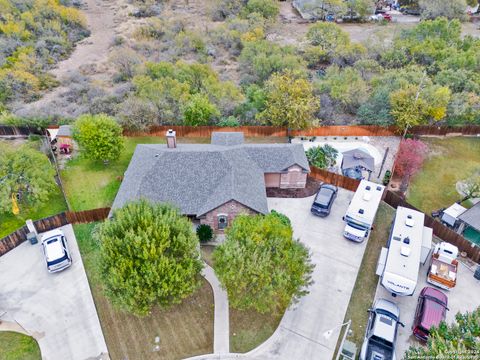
(387, 17)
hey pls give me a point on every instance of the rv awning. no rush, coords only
(358, 157)
(471, 217)
(451, 214)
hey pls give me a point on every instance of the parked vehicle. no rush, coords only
(444, 265)
(409, 245)
(410, 11)
(381, 332)
(362, 210)
(55, 250)
(431, 311)
(324, 200)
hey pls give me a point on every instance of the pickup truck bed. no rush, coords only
(378, 350)
(443, 274)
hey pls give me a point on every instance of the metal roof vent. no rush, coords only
(379, 188)
(361, 211)
(409, 221)
(405, 251)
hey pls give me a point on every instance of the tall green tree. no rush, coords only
(99, 136)
(25, 172)
(148, 256)
(260, 264)
(453, 341)
(289, 102)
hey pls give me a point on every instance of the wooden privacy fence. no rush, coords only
(340, 130)
(439, 230)
(333, 178)
(69, 217)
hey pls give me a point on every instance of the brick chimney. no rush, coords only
(171, 139)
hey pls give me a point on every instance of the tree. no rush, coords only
(204, 233)
(199, 110)
(26, 174)
(451, 9)
(289, 102)
(148, 256)
(414, 105)
(451, 340)
(362, 8)
(322, 157)
(260, 264)
(328, 36)
(99, 136)
(471, 187)
(345, 86)
(410, 157)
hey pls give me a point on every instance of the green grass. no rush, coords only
(450, 160)
(185, 329)
(249, 328)
(366, 283)
(90, 184)
(16, 346)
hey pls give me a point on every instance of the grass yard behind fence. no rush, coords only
(16, 346)
(366, 284)
(184, 330)
(450, 160)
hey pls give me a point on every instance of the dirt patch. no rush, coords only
(310, 189)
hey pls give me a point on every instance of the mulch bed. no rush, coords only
(310, 189)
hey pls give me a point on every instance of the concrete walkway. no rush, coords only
(221, 326)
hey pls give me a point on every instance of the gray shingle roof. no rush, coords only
(227, 138)
(472, 216)
(200, 177)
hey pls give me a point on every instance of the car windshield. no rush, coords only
(323, 197)
(386, 313)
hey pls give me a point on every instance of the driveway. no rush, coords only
(56, 309)
(463, 297)
(337, 260)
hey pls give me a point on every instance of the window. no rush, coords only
(222, 222)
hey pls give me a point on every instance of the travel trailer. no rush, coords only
(361, 212)
(409, 245)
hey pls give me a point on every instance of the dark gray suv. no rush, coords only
(324, 200)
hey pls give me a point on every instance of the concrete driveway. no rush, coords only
(337, 260)
(463, 297)
(56, 309)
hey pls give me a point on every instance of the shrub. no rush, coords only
(199, 111)
(322, 157)
(230, 121)
(387, 177)
(269, 9)
(282, 217)
(204, 233)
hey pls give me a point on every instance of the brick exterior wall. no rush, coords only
(294, 178)
(231, 209)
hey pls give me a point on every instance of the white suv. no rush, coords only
(55, 249)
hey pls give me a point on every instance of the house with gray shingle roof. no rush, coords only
(212, 182)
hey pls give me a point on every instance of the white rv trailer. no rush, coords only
(361, 212)
(409, 245)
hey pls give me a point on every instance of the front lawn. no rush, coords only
(450, 160)
(16, 346)
(366, 283)
(184, 330)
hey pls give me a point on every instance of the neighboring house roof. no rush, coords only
(472, 216)
(358, 157)
(227, 138)
(64, 130)
(201, 177)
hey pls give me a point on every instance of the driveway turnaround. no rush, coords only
(463, 297)
(56, 309)
(301, 334)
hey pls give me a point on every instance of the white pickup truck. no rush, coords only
(443, 267)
